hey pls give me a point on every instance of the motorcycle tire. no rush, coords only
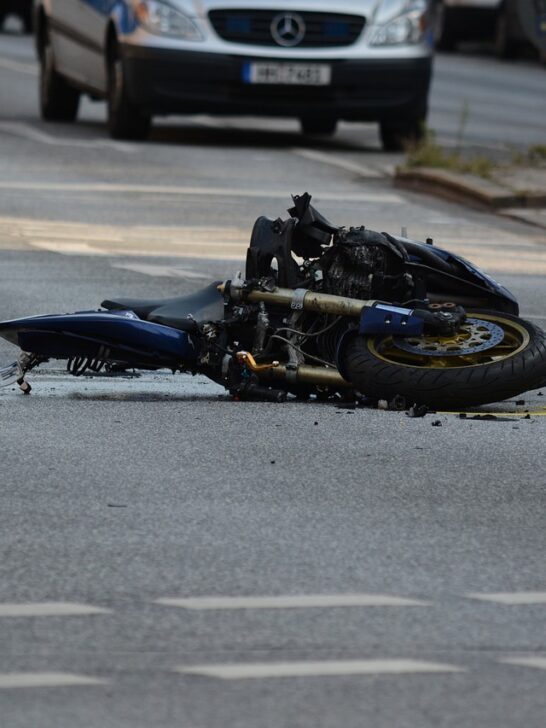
(377, 368)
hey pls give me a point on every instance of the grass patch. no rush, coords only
(428, 153)
(535, 156)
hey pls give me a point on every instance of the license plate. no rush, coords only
(288, 74)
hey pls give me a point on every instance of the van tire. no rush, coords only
(125, 119)
(58, 100)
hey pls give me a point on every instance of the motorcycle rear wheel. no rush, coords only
(378, 368)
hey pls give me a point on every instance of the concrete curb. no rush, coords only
(468, 189)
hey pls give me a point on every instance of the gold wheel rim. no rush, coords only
(516, 339)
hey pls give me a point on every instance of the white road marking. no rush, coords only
(260, 671)
(307, 601)
(162, 271)
(335, 161)
(68, 248)
(10, 65)
(46, 680)
(112, 187)
(26, 131)
(532, 316)
(511, 598)
(50, 609)
(539, 663)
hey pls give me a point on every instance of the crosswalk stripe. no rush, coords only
(46, 680)
(539, 663)
(511, 598)
(112, 188)
(329, 668)
(50, 609)
(307, 601)
(334, 160)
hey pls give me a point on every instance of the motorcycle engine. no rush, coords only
(365, 264)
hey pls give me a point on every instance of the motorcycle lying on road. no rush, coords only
(322, 311)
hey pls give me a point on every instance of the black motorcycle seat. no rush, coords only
(180, 313)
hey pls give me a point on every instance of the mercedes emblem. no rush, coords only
(288, 29)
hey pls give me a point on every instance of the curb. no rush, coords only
(468, 189)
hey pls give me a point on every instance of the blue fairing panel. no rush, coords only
(481, 278)
(120, 336)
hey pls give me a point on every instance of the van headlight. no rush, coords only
(407, 28)
(162, 18)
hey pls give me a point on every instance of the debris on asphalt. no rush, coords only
(437, 423)
(417, 410)
(398, 403)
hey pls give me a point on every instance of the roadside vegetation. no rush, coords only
(428, 153)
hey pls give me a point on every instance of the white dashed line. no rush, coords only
(539, 663)
(261, 671)
(10, 65)
(335, 161)
(162, 271)
(511, 598)
(111, 188)
(308, 601)
(50, 609)
(26, 131)
(46, 680)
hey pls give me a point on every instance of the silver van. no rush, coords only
(318, 61)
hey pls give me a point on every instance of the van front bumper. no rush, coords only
(170, 82)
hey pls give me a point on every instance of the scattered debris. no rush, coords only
(540, 394)
(398, 403)
(316, 423)
(116, 505)
(527, 417)
(437, 423)
(417, 410)
(520, 402)
(273, 462)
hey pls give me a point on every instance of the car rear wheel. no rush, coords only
(125, 119)
(317, 125)
(58, 100)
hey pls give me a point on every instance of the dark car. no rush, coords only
(21, 8)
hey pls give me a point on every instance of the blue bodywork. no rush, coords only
(468, 273)
(114, 336)
(385, 319)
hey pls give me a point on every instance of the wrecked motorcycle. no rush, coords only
(322, 311)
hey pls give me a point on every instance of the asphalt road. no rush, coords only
(171, 558)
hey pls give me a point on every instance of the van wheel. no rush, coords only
(27, 20)
(325, 126)
(58, 100)
(445, 38)
(504, 45)
(397, 137)
(125, 119)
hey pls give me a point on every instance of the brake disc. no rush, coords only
(474, 336)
